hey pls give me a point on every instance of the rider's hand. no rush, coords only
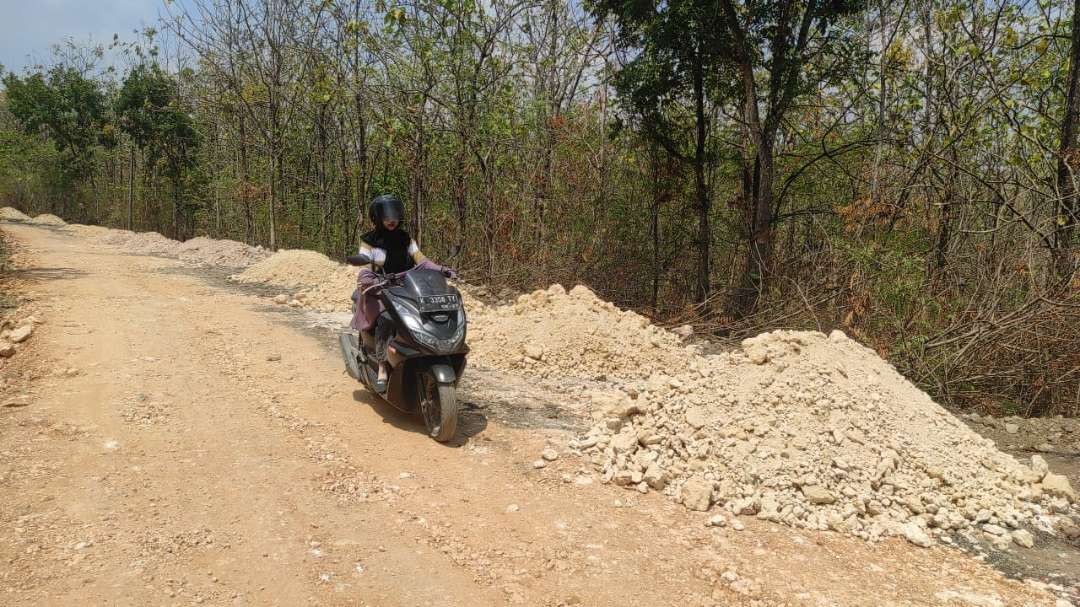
(449, 273)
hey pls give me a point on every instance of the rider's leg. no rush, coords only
(383, 330)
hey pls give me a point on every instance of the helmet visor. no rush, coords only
(393, 211)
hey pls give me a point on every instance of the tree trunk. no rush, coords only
(273, 199)
(760, 251)
(654, 229)
(701, 188)
(131, 187)
(1068, 207)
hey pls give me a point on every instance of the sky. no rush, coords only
(28, 28)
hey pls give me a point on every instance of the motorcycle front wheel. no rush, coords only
(438, 404)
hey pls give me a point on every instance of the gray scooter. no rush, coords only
(426, 352)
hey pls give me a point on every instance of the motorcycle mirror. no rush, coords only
(359, 259)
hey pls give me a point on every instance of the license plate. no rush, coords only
(439, 303)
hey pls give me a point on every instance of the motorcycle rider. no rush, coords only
(393, 251)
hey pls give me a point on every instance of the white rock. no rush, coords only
(696, 417)
(1057, 484)
(539, 464)
(624, 442)
(717, 520)
(916, 535)
(696, 494)
(655, 477)
(994, 529)
(1012, 428)
(512, 508)
(684, 331)
(737, 525)
(281, 299)
(21, 334)
(550, 454)
(534, 351)
(818, 495)
(1039, 465)
(1023, 538)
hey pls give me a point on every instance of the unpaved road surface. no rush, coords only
(177, 442)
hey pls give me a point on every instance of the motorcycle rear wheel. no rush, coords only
(438, 404)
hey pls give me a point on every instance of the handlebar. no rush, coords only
(388, 279)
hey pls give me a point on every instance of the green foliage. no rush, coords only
(66, 107)
(149, 112)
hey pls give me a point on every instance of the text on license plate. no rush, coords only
(432, 303)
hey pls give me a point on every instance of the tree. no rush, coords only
(679, 60)
(149, 111)
(66, 107)
(1068, 161)
(777, 39)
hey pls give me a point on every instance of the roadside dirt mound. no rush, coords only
(13, 214)
(150, 243)
(291, 268)
(555, 332)
(816, 432)
(210, 251)
(332, 293)
(95, 233)
(116, 237)
(46, 219)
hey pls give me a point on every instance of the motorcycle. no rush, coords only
(426, 352)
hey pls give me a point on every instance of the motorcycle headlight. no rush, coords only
(425, 339)
(459, 333)
(409, 315)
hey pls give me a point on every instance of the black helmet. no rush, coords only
(386, 206)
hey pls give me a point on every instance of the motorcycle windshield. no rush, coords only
(423, 283)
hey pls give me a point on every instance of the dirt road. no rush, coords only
(181, 443)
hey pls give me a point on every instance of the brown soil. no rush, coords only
(176, 445)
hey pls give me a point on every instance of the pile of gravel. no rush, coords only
(817, 432)
(13, 214)
(150, 243)
(290, 268)
(46, 219)
(214, 252)
(555, 332)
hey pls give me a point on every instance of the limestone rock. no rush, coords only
(21, 334)
(1039, 465)
(696, 417)
(818, 495)
(696, 494)
(655, 477)
(684, 331)
(1057, 484)
(916, 535)
(1023, 538)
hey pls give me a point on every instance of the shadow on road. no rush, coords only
(471, 421)
(44, 274)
